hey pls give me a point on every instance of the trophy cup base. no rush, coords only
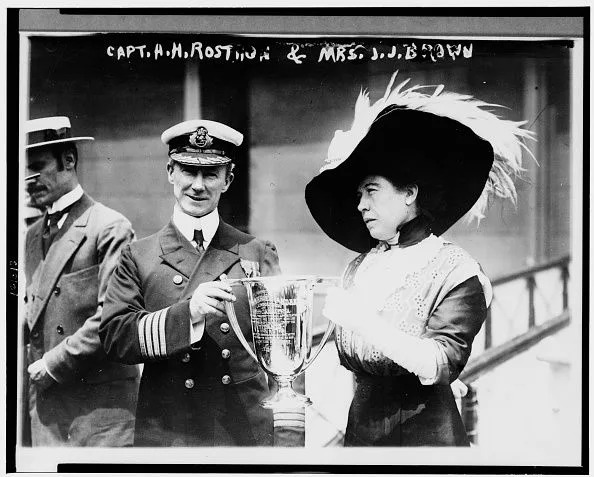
(286, 398)
(295, 403)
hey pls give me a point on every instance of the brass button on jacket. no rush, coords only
(178, 279)
(225, 354)
(186, 358)
(189, 383)
(225, 327)
(60, 329)
(57, 291)
(226, 379)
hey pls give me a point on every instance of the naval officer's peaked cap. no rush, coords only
(200, 142)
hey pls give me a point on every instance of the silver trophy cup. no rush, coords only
(281, 316)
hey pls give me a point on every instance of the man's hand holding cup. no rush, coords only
(208, 299)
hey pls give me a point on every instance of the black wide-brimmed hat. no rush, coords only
(455, 151)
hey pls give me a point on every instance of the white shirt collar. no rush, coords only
(186, 224)
(66, 200)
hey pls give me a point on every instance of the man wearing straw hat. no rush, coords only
(77, 397)
(165, 306)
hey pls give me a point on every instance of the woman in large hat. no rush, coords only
(411, 166)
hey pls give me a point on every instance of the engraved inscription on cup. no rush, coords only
(281, 318)
(281, 325)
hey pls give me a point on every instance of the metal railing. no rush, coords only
(497, 355)
(494, 356)
(529, 275)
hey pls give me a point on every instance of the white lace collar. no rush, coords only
(383, 271)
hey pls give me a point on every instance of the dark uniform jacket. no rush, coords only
(205, 395)
(64, 297)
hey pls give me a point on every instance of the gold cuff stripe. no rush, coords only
(155, 333)
(148, 337)
(141, 325)
(151, 334)
(162, 319)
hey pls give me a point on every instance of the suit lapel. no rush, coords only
(34, 249)
(178, 253)
(221, 254)
(66, 243)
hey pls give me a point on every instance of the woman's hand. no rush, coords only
(348, 308)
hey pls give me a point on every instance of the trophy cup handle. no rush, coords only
(327, 334)
(230, 309)
(331, 325)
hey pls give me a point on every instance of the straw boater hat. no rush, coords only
(49, 131)
(456, 152)
(200, 142)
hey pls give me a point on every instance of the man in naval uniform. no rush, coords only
(76, 397)
(165, 307)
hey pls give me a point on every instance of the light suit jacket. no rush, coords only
(204, 395)
(65, 291)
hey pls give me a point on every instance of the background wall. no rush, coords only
(288, 114)
(308, 103)
(125, 107)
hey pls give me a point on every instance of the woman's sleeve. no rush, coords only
(439, 355)
(453, 325)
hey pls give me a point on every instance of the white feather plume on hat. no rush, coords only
(506, 137)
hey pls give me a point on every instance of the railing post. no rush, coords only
(488, 338)
(531, 283)
(565, 279)
(470, 414)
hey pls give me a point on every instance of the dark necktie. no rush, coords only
(51, 229)
(199, 239)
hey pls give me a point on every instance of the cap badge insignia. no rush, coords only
(200, 138)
